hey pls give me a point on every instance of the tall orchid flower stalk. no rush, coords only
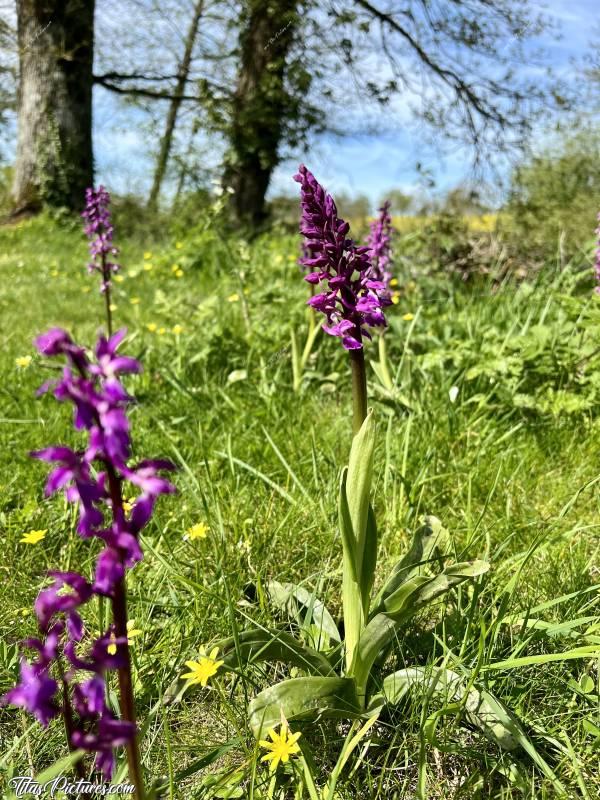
(379, 243)
(99, 230)
(57, 681)
(340, 672)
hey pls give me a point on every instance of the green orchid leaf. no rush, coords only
(481, 709)
(304, 698)
(346, 531)
(429, 537)
(311, 613)
(381, 630)
(257, 645)
(369, 562)
(355, 511)
(420, 590)
(358, 483)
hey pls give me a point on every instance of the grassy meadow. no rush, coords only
(491, 424)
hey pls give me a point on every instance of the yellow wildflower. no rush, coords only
(54, 273)
(233, 298)
(395, 298)
(197, 531)
(147, 255)
(177, 329)
(161, 331)
(148, 267)
(175, 267)
(201, 671)
(408, 317)
(23, 361)
(33, 537)
(179, 273)
(112, 307)
(132, 632)
(152, 326)
(86, 289)
(394, 282)
(178, 245)
(135, 301)
(119, 278)
(282, 745)
(128, 504)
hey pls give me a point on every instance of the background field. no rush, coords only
(508, 461)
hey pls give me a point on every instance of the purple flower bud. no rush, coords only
(99, 230)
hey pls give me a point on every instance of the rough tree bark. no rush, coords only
(54, 162)
(259, 106)
(182, 77)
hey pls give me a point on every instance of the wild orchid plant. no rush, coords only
(343, 672)
(70, 674)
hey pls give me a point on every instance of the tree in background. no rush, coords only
(54, 162)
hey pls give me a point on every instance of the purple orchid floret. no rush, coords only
(351, 302)
(99, 230)
(36, 693)
(55, 600)
(379, 243)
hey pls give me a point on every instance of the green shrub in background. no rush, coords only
(554, 199)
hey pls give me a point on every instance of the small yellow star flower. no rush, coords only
(152, 327)
(33, 537)
(135, 301)
(86, 289)
(178, 245)
(282, 745)
(148, 267)
(201, 671)
(161, 331)
(197, 531)
(177, 329)
(408, 317)
(175, 267)
(179, 273)
(54, 273)
(233, 298)
(23, 361)
(128, 504)
(395, 298)
(119, 278)
(112, 307)
(394, 282)
(147, 255)
(132, 632)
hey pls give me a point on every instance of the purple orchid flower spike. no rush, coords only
(99, 230)
(379, 243)
(92, 478)
(350, 301)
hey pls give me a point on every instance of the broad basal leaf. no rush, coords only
(303, 698)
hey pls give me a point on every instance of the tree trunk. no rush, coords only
(54, 163)
(182, 76)
(260, 105)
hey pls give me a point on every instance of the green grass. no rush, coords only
(513, 480)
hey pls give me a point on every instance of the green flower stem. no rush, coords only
(359, 388)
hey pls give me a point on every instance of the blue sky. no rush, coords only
(367, 164)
